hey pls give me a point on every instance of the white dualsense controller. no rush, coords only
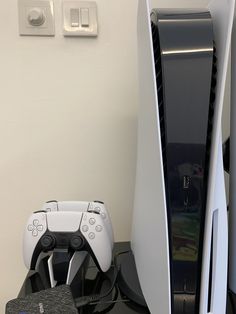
(72, 230)
(97, 207)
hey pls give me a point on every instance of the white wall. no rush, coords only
(67, 124)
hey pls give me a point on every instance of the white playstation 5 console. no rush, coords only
(180, 204)
(232, 203)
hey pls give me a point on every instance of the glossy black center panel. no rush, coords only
(184, 60)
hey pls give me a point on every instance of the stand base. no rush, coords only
(128, 280)
(89, 281)
(129, 298)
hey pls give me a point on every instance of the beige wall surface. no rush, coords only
(68, 123)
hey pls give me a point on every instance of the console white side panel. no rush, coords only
(232, 205)
(150, 232)
(218, 222)
(222, 14)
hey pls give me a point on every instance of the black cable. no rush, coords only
(111, 303)
(82, 301)
(231, 299)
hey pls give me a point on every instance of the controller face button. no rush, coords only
(92, 221)
(85, 228)
(48, 242)
(76, 242)
(91, 235)
(98, 228)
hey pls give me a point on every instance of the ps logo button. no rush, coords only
(85, 228)
(92, 221)
(91, 235)
(98, 228)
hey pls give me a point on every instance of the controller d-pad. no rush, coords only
(30, 227)
(40, 227)
(34, 233)
(35, 222)
(35, 228)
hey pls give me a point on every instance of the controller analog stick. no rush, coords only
(48, 242)
(76, 242)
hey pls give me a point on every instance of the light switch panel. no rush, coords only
(80, 18)
(36, 17)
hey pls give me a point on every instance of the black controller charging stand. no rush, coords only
(128, 280)
(40, 280)
(88, 280)
(126, 297)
